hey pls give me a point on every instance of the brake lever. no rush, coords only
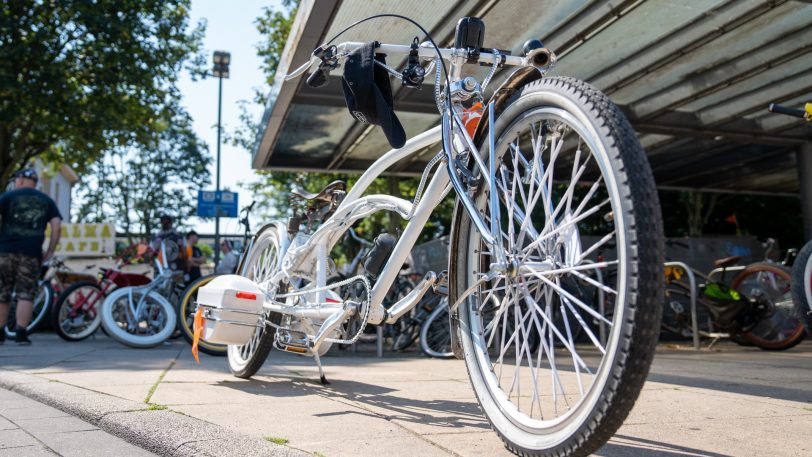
(329, 62)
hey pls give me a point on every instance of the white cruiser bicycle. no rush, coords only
(555, 370)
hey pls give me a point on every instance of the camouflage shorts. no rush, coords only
(18, 272)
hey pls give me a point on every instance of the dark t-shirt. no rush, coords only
(194, 270)
(24, 214)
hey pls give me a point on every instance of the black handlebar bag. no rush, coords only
(368, 92)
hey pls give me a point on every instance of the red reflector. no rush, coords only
(247, 295)
(332, 300)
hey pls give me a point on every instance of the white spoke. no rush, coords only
(597, 284)
(580, 304)
(561, 227)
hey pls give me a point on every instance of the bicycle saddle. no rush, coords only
(727, 261)
(326, 195)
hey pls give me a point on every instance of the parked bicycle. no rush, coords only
(550, 157)
(75, 315)
(187, 304)
(55, 277)
(756, 307)
(143, 316)
(802, 268)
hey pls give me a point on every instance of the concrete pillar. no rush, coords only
(803, 159)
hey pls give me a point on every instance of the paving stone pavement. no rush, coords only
(731, 401)
(29, 428)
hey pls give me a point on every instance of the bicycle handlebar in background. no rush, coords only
(805, 113)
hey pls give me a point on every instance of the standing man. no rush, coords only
(176, 245)
(24, 214)
(194, 256)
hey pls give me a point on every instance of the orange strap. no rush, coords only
(198, 326)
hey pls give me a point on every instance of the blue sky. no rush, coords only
(230, 28)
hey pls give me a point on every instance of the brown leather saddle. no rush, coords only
(727, 261)
(325, 197)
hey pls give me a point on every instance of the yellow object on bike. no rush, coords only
(808, 111)
(673, 273)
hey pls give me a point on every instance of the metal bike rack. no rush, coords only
(692, 284)
(716, 271)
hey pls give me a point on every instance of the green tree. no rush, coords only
(134, 185)
(78, 78)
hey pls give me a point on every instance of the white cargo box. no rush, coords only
(232, 309)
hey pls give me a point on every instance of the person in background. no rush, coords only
(169, 234)
(228, 264)
(24, 214)
(194, 256)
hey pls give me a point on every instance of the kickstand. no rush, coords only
(323, 379)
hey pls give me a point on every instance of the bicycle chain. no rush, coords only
(345, 282)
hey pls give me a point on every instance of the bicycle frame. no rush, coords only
(310, 259)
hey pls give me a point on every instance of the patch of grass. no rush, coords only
(807, 409)
(319, 454)
(156, 407)
(161, 378)
(276, 440)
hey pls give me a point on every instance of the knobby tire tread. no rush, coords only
(646, 293)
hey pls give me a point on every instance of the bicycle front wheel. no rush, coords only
(575, 195)
(802, 284)
(779, 325)
(187, 306)
(152, 326)
(42, 305)
(75, 316)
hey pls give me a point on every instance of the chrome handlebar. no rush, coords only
(541, 58)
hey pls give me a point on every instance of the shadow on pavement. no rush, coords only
(734, 385)
(375, 400)
(643, 447)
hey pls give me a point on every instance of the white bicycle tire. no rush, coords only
(129, 339)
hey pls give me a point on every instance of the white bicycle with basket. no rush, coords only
(550, 158)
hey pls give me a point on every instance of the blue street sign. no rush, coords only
(216, 203)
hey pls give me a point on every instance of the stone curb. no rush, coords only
(163, 432)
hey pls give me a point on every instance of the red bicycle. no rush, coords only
(75, 316)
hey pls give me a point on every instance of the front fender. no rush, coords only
(518, 79)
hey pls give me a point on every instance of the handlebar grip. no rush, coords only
(317, 79)
(784, 110)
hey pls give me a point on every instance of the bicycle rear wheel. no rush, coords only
(568, 164)
(780, 326)
(262, 263)
(435, 332)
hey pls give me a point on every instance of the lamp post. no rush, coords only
(222, 59)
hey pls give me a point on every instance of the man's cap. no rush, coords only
(29, 173)
(166, 217)
(368, 92)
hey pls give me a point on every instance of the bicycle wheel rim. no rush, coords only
(41, 306)
(80, 297)
(435, 334)
(551, 421)
(782, 324)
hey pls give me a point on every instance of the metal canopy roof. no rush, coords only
(694, 77)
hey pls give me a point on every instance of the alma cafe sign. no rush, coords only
(85, 240)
